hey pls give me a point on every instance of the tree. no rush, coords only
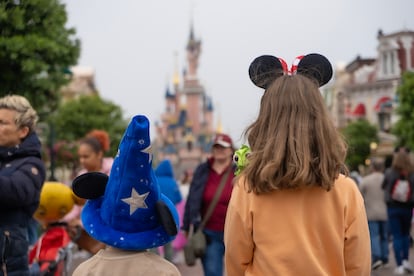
(359, 136)
(404, 127)
(36, 50)
(75, 118)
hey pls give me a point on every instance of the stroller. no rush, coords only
(51, 254)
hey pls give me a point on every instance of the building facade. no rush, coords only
(82, 83)
(366, 87)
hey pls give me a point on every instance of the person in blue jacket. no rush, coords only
(169, 187)
(22, 174)
(167, 182)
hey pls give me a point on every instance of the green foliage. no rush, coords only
(77, 117)
(36, 50)
(404, 127)
(359, 135)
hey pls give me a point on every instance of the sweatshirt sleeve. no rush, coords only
(357, 241)
(23, 186)
(238, 233)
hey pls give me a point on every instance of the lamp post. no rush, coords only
(52, 152)
(373, 148)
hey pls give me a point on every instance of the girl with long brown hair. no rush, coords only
(292, 210)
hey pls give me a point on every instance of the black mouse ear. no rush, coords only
(166, 218)
(317, 67)
(265, 69)
(90, 185)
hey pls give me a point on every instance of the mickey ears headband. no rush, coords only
(265, 69)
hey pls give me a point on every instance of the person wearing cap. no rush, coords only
(206, 179)
(127, 211)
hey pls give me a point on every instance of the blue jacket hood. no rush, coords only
(168, 185)
(164, 169)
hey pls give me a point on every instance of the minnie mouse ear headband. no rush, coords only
(127, 209)
(265, 69)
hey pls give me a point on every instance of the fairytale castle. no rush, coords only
(185, 130)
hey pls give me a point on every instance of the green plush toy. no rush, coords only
(240, 158)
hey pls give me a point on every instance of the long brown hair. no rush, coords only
(401, 161)
(293, 141)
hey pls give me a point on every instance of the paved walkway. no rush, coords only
(197, 269)
(388, 270)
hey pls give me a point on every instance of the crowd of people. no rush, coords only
(389, 208)
(292, 209)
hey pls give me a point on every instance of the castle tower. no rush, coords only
(185, 132)
(192, 90)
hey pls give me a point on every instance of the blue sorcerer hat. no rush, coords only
(127, 210)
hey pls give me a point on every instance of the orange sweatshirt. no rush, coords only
(307, 231)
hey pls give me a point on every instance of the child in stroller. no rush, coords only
(51, 254)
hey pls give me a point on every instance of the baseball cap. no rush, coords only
(223, 140)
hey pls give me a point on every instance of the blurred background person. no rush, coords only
(91, 154)
(22, 174)
(400, 211)
(374, 200)
(169, 187)
(185, 182)
(206, 179)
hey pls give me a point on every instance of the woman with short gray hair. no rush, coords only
(22, 174)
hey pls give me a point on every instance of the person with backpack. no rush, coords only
(399, 195)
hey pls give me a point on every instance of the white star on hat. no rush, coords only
(136, 201)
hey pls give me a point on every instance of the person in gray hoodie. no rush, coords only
(371, 189)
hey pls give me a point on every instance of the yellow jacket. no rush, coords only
(307, 231)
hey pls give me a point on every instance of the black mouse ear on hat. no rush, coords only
(90, 185)
(265, 69)
(317, 67)
(166, 218)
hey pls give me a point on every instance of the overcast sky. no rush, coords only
(131, 44)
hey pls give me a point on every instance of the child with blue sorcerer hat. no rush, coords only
(127, 211)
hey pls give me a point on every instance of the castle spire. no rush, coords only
(219, 128)
(176, 76)
(193, 53)
(191, 31)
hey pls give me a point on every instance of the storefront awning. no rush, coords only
(359, 110)
(383, 102)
